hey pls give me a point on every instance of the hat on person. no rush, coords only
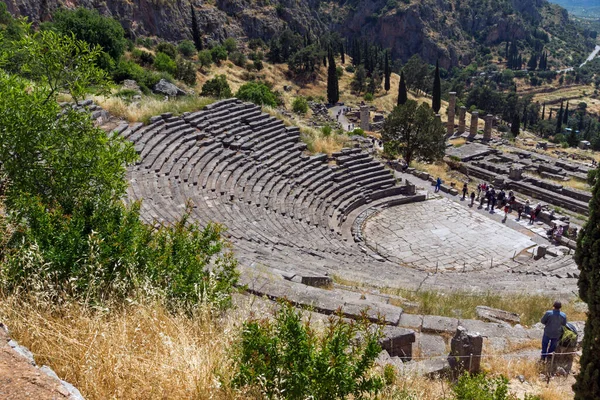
(557, 304)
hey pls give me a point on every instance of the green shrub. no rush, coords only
(326, 130)
(258, 65)
(254, 44)
(286, 356)
(300, 105)
(186, 71)
(93, 28)
(217, 87)
(186, 48)
(142, 57)
(238, 58)
(481, 387)
(162, 62)
(126, 93)
(205, 58)
(339, 72)
(230, 45)
(359, 132)
(218, 54)
(167, 48)
(130, 70)
(257, 93)
(369, 97)
(350, 68)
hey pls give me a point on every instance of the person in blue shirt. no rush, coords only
(438, 183)
(553, 321)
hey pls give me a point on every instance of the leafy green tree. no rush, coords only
(333, 90)
(59, 63)
(402, 95)
(230, 45)
(205, 58)
(71, 235)
(436, 102)
(360, 79)
(300, 105)
(218, 54)
(566, 115)
(287, 356)
(93, 28)
(414, 131)
(186, 71)
(164, 63)
(257, 93)
(217, 87)
(186, 47)
(167, 48)
(196, 36)
(56, 154)
(587, 257)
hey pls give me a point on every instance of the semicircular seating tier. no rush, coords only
(283, 208)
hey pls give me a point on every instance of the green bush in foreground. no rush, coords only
(286, 358)
(481, 387)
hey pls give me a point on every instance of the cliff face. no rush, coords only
(448, 30)
(171, 19)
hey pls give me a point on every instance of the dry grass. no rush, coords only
(447, 174)
(460, 304)
(461, 141)
(139, 352)
(150, 106)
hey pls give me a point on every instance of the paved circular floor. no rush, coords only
(443, 235)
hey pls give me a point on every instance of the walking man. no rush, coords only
(553, 320)
(472, 198)
(464, 190)
(438, 183)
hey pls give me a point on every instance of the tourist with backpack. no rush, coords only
(553, 321)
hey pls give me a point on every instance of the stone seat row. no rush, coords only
(245, 169)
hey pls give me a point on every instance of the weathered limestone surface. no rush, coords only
(462, 120)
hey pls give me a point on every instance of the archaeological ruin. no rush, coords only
(313, 228)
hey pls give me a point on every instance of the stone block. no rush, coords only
(398, 342)
(430, 345)
(435, 324)
(496, 315)
(465, 352)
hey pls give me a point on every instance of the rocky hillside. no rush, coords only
(449, 30)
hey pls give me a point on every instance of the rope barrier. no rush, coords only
(536, 355)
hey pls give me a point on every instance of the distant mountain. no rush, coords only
(581, 8)
(455, 32)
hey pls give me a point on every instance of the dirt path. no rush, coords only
(19, 380)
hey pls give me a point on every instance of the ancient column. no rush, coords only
(451, 112)
(487, 131)
(461, 120)
(474, 120)
(364, 118)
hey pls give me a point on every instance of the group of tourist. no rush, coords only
(497, 200)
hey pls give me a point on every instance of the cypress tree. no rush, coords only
(342, 53)
(550, 116)
(587, 257)
(559, 119)
(532, 63)
(543, 111)
(436, 102)
(387, 72)
(566, 116)
(515, 125)
(402, 95)
(333, 91)
(196, 30)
